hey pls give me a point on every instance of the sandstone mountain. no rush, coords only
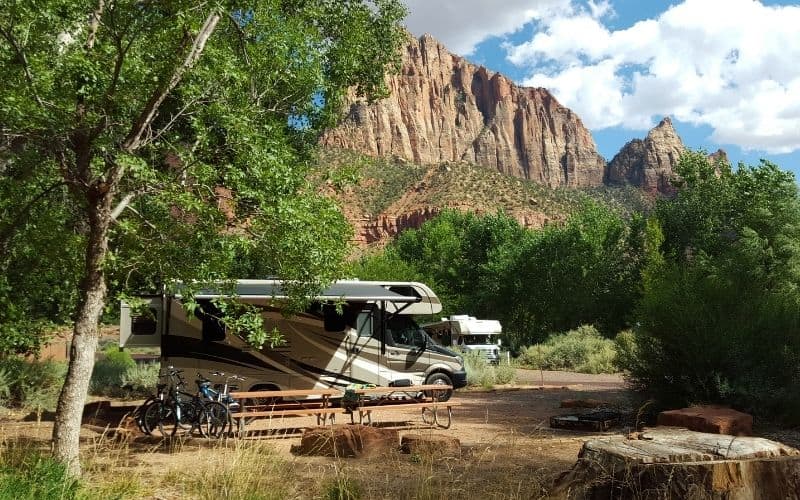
(443, 108)
(455, 135)
(648, 163)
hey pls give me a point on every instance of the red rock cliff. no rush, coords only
(648, 163)
(443, 108)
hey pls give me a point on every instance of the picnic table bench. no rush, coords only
(316, 402)
(424, 397)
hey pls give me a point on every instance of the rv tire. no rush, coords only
(439, 379)
(259, 402)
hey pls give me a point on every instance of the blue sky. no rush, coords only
(726, 71)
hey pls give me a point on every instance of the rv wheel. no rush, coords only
(260, 404)
(439, 379)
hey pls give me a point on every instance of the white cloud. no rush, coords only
(729, 64)
(462, 24)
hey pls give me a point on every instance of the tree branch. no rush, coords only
(25, 65)
(18, 219)
(133, 140)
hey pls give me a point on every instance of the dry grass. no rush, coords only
(507, 453)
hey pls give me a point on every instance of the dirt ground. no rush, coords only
(508, 448)
(509, 451)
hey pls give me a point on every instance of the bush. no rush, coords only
(505, 373)
(482, 374)
(582, 350)
(141, 379)
(109, 371)
(33, 385)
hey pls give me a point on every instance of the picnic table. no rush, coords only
(367, 401)
(316, 402)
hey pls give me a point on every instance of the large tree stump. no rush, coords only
(347, 441)
(670, 462)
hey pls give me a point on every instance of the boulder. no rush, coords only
(347, 441)
(713, 419)
(431, 444)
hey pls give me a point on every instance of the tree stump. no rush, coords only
(430, 445)
(677, 463)
(347, 441)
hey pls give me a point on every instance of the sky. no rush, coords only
(726, 71)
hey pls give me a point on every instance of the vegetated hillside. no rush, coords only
(383, 196)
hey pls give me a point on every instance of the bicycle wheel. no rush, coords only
(160, 419)
(214, 420)
(189, 412)
(138, 413)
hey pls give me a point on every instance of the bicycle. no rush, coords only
(216, 420)
(172, 412)
(161, 416)
(138, 413)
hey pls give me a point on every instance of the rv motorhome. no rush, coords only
(470, 334)
(353, 332)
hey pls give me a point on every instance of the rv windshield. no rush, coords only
(480, 339)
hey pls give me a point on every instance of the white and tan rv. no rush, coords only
(469, 334)
(353, 332)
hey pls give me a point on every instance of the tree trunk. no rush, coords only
(66, 431)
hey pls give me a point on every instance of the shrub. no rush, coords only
(141, 379)
(582, 350)
(109, 371)
(505, 373)
(32, 385)
(480, 373)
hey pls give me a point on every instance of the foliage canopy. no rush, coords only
(147, 141)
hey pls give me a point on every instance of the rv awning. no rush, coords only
(273, 289)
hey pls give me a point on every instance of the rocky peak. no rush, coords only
(442, 108)
(648, 163)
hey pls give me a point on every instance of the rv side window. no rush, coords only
(209, 315)
(336, 319)
(404, 331)
(145, 324)
(364, 324)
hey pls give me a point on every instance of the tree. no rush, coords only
(177, 134)
(583, 272)
(455, 250)
(719, 318)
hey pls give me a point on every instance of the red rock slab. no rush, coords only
(711, 419)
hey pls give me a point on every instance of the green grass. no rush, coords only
(28, 474)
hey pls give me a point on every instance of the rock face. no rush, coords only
(648, 163)
(443, 108)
